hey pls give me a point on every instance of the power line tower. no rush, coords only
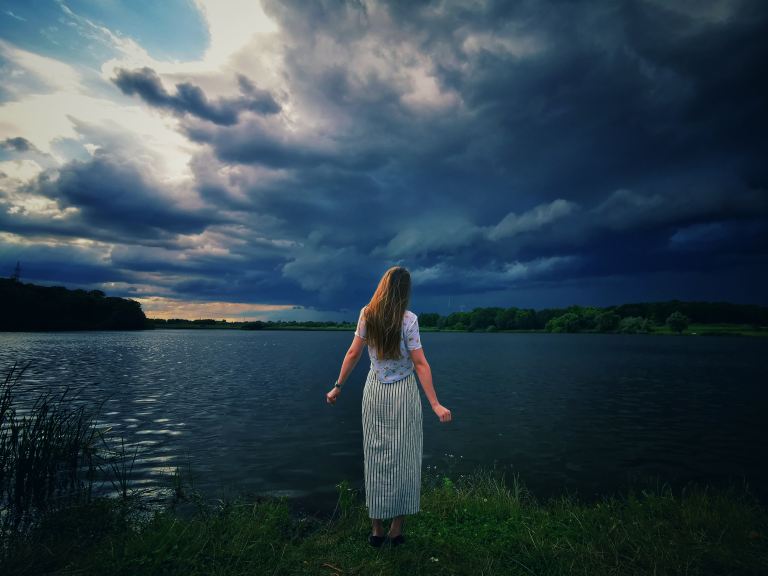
(16, 276)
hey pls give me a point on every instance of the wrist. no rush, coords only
(435, 404)
(338, 385)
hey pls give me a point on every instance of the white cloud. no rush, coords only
(44, 118)
(523, 270)
(50, 95)
(627, 209)
(430, 234)
(54, 74)
(424, 93)
(446, 232)
(231, 25)
(491, 277)
(697, 236)
(429, 274)
(320, 269)
(22, 169)
(513, 224)
(16, 16)
(514, 44)
(242, 39)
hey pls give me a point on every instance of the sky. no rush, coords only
(270, 160)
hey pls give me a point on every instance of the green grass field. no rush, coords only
(474, 525)
(725, 329)
(692, 330)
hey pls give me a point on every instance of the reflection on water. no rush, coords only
(245, 412)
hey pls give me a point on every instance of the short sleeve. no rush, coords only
(360, 330)
(412, 337)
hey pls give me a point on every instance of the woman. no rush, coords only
(392, 418)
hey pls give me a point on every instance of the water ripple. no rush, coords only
(247, 412)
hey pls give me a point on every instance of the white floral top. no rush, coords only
(392, 370)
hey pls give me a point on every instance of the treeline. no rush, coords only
(184, 323)
(32, 307)
(272, 324)
(245, 325)
(637, 317)
(628, 318)
(29, 307)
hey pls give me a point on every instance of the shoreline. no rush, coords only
(698, 529)
(762, 333)
(699, 330)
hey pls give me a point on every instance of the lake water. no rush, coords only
(579, 413)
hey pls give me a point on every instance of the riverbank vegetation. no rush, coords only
(478, 523)
(672, 317)
(29, 307)
(52, 453)
(211, 324)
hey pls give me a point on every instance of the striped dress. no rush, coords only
(392, 446)
(392, 428)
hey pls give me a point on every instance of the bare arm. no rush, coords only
(424, 372)
(347, 365)
(351, 358)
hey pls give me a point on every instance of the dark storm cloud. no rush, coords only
(19, 144)
(118, 197)
(192, 100)
(495, 148)
(19, 148)
(586, 138)
(646, 118)
(59, 263)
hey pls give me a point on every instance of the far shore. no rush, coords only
(692, 330)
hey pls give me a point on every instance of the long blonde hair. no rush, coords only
(384, 313)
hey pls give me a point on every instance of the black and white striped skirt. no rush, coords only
(392, 446)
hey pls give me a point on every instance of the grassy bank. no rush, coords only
(475, 524)
(692, 330)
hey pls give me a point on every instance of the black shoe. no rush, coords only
(376, 541)
(397, 540)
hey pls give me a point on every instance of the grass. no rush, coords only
(475, 524)
(725, 330)
(692, 330)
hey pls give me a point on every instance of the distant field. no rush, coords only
(693, 330)
(719, 330)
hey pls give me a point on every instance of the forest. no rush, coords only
(628, 318)
(642, 317)
(30, 307)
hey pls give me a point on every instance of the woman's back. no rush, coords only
(410, 339)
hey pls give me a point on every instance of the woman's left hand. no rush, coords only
(331, 396)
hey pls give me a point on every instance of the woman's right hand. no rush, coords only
(330, 397)
(442, 412)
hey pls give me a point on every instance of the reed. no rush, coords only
(51, 455)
